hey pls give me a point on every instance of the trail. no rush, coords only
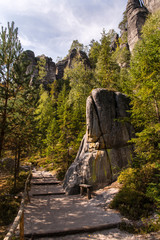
(53, 215)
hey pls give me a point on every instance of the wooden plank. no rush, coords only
(47, 194)
(43, 178)
(45, 183)
(65, 232)
(85, 185)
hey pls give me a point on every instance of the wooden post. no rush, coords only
(81, 190)
(89, 193)
(22, 226)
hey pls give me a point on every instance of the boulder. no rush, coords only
(104, 150)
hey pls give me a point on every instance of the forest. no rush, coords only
(45, 126)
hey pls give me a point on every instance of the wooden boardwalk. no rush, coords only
(51, 213)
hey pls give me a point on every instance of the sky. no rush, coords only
(49, 26)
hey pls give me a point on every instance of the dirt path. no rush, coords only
(52, 215)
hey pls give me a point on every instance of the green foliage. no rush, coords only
(123, 24)
(41, 68)
(132, 204)
(107, 71)
(122, 54)
(76, 45)
(145, 93)
(10, 50)
(147, 144)
(94, 52)
(17, 98)
(9, 202)
(20, 183)
(127, 176)
(140, 193)
(8, 209)
(82, 81)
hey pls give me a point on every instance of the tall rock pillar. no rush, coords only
(104, 150)
(136, 16)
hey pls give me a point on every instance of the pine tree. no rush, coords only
(145, 84)
(76, 45)
(94, 51)
(82, 81)
(14, 82)
(107, 71)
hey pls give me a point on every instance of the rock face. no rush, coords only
(152, 5)
(104, 150)
(136, 17)
(50, 68)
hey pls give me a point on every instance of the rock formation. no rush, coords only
(50, 69)
(136, 17)
(67, 62)
(152, 5)
(53, 71)
(104, 150)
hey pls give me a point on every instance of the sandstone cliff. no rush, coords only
(152, 5)
(136, 17)
(53, 71)
(104, 150)
(50, 69)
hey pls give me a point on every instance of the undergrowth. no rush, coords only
(139, 196)
(10, 198)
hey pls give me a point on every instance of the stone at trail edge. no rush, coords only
(104, 150)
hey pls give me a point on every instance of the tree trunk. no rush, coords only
(18, 160)
(15, 169)
(4, 117)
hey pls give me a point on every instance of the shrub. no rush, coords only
(8, 209)
(140, 194)
(133, 204)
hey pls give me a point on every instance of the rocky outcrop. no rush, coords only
(152, 5)
(68, 62)
(50, 69)
(114, 42)
(136, 17)
(104, 150)
(53, 71)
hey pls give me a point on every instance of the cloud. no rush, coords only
(49, 26)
